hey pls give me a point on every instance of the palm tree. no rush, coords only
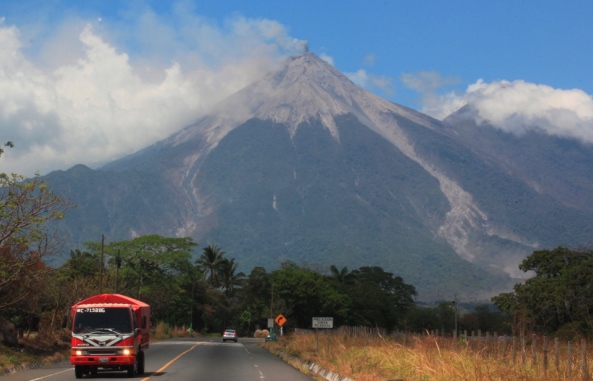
(228, 278)
(210, 263)
(342, 276)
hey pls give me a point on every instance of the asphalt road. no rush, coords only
(189, 359)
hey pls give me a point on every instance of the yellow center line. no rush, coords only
(159, 372)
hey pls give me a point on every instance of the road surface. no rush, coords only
(188, 359)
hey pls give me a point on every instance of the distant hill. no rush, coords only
(305, 166)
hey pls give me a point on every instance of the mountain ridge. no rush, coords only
(303, 165)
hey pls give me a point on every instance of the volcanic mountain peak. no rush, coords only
(308, 88)
(305, 88)
(393, 188)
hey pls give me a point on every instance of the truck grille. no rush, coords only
(103, 351)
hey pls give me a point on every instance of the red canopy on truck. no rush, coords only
(111, 298)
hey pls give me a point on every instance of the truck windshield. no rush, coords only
(103, 319)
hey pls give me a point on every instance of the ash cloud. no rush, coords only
(92, 90)
(519, 106)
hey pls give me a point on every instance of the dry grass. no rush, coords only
(420, 358)
(35, 349)
(163, 331)
(411, 358)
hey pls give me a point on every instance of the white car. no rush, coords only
(229, 334)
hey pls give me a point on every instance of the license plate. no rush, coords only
(103, 359)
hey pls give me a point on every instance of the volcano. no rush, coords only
(305, 166)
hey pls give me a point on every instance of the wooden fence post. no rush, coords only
(523, 350)
(495, 344)
(533, 350)
(569, 366)
(465, 338)
(584, 360)
(557, 354)
(545, 355)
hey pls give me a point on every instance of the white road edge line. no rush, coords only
(51, 375)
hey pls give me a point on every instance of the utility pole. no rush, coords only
(271, 306)
(101, 269)
(191, 313)
(117, 266)
(455, 314)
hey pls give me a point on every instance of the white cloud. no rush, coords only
(427, 83)
(359, 78)
(371, 82)
(93, 92)
(519, 106)
(370, 59)
(327, 58)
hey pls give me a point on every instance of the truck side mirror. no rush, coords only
(144, 321)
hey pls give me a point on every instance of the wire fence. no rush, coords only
(569, 360)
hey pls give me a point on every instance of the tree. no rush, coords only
(342, 276)
(7, 144)
(558, 297)
(26, 206)
(422, 319)
(302, 293)
(210, 262)
(486, 319)
(77, 278)
(379, 298)
(154, 269)
(82, 264)
(256, 297)
(230, 279)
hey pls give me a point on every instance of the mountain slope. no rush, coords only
(559, 167)
(305, 166)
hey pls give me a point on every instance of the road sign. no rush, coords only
(323, 322)
(280, 320)
(270, 323)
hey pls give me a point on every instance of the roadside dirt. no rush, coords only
(33, 351)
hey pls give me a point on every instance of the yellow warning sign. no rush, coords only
(280, 320)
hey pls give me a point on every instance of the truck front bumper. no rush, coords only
(105, 359)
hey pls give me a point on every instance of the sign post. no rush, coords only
(322, 323)
(271, 324)
(280, 320)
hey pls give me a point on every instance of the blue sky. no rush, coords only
(90, 81)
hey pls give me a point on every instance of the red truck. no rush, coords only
(110, 332)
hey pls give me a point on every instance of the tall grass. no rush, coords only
(164, 331)
(419, 358)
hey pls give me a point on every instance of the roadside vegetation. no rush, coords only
(198, 290)
(417, 358)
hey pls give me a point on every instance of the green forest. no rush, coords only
(200, 289)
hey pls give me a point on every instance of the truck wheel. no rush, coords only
(132, 370)
(78, 371)
(141, 363)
